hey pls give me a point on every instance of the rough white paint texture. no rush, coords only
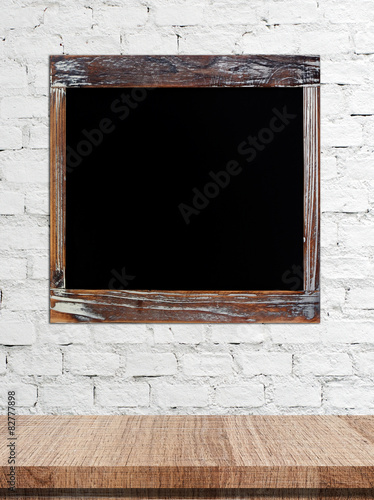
(326, 368)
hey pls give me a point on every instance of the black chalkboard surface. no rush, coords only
(184, 188)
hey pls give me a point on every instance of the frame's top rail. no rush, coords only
(185, 71)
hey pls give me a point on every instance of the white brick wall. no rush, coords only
(326, 368)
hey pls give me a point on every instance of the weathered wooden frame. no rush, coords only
(181, 306)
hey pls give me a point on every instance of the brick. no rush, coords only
(347, 332)
(368, 126)
(68, 395)
(356, 236)
(183, 395)
(150, 364)
(37, 202)
(27, 298)
(92, 44)
(296, 393)
(333, 100)
(361, 298)
(3, 365)
(295, 334)
(120, 17)
(21, 17)
(11, 202)
(347, 12)
(80, 362)
(364, 362)
(123, 334)
(345, 72)
(179, 14)
(323, 364)
(111, 393)
(328, 168)
(25, 166)
(214, 39)
(23, 236)
(38, 74)
(24, 107)
(293, 12)
(12, 268)
(324, 42)
(240, 395)
(35, 362)
(364, 42)
(342, 132)
(269, 42)
(350, 394)
(25, 394)
(266, 363)
(147, 41)
(341, 267)
(361, 102)
(238, 334)
(39, 137)
(39, 266)
(181, 334)
(12, 76)
(63, 334)
(359, 165)
(59, 17)
(10, 138)
(188, 334)
(162, 334)
(207, 365)
(238, 13)
(333, 296)
(33, 47)
(17, 333)
(341, 197)
(329, 234)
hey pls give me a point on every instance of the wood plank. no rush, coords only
(184, 71)
(132, 306)
(191, 494)
(57, 186)
(325, 452)
(311, 187)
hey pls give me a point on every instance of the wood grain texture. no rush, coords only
(181, 307)
(279, 452)
(190, 494)
(184, 71)
(311, 187)
(57, 186)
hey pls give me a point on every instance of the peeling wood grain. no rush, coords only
(181, 306)
(57, 186)
(311, 187)
(185, 71)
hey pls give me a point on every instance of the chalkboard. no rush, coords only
(184, 188)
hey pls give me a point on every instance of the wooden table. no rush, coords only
(190, 457)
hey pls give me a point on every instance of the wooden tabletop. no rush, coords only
(190, 452)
